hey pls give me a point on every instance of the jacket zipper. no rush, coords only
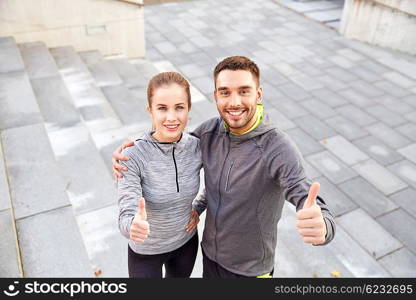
(219, 200)
(176, 170)
(228, 177)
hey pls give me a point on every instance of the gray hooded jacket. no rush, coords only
(166, 175)
(247, 179)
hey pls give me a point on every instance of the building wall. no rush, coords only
(111, 26)
(387, 23)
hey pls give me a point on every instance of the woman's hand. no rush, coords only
(193, 221)
(116, 157)
(139, 229)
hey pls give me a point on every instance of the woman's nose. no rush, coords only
(171, 116)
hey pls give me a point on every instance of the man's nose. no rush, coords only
(235, 99)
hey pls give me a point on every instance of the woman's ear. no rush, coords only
(149, 112)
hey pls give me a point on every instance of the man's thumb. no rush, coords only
(313, 193)
(142, 209)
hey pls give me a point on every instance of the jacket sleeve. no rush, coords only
(286, 168)
(197, 132)
(200, 202)
(205, 126)
(129, 192)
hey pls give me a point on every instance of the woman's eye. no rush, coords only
(162, 108)
(180, 107)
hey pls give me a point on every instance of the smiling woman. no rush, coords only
(161, 181)
(169, 105)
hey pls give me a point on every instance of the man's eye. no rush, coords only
(224, 93)
(244, 92)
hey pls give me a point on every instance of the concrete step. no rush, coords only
(70, 139)
(89, 183)
(107, 248)
(106, 129)
(130, 109)
(95, 110)
(18, 105)
(53, 98)
(52, 246)
(38, 61)
(77, 148)
(10, 59)
(55, 102)
(4, 185)
(36, 185)
(100, 68)
(104, 125)
(9, 259)
(39, 198)
(145, 67)
(128, 73)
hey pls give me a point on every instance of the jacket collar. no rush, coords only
(262, 128)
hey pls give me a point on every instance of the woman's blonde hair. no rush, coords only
(165, 79)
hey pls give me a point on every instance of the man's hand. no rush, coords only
(117, 156)
(310, 222)
(139, 229)
(193, 221)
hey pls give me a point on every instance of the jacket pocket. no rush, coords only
(228, 176)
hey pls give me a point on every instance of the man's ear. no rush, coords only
(259, 95)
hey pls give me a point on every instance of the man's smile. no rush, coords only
(235, 113)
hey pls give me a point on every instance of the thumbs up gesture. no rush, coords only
(139, 229)
(310, 222)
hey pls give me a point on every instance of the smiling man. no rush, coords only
(236, 95)
(251, 168)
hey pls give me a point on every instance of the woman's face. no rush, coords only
(169, 112)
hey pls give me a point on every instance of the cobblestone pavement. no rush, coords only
(350, 107)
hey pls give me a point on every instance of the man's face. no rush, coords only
(237, 96)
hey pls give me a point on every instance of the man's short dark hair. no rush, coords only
(235, 63)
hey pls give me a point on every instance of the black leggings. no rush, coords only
(178, 263)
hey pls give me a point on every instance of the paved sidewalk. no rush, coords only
(328, 12)
(350, 107)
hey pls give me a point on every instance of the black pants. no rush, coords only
(178, 263)
(211, 269)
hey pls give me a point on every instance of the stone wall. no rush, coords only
(112, 27)
(387, 23)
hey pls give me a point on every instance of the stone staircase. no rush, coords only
(62, 113)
